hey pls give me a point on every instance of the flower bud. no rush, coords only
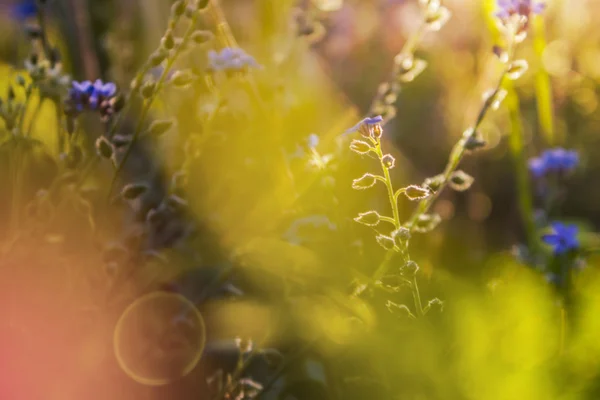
(158, 128)
(168, 41)
(436, 305)
(158, 57)
(460, 181)
(472, 140)
(427, 222)
(182, 78)
(178, 8)
(434, 183)
(401, 234)
(437, 17)
(409, 269)
(202, 4)
(148, 89)
(407, 67)
(385, 241)
(132, 191)
(517, 69)
(201, 37)
(104, 148)
(400, 310)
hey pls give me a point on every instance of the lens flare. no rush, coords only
(159, 338)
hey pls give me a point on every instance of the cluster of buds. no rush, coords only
(371, 130)
(513, 17)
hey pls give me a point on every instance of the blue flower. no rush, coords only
(524, 8)
(231, 59)
(313, 141)
(91, 95)
(556, 160)
(24, 10)
(563, 239)
(367, 122)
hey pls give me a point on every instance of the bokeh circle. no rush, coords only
(159, 338)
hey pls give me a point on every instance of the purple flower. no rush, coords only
(94, 96)
(563, 239)
(537, 167)
(524, 8)
(368, 122)
(231, 59)
(556, 160)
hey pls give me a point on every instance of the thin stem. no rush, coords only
(417, 296)
(543, 89)
(389, 185)
(24, 112)
(388, 219)
(36, 111)
(458, 151)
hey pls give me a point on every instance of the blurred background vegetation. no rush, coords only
(281, 214)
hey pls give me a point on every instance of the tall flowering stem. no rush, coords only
(513, 26)
(406, 66)
(396, 241)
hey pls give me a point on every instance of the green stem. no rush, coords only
(543, 89)
(388, 185)
(459, 150)
(417, 296)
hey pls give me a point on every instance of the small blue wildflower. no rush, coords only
(524, 8)
(94, 96)
(231, 59)
(563, 239)
(24, 10)
(368, 122)
(313, 141)
(556, 160)
(537, 167)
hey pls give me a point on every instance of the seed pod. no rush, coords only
(364, 182)
(202, 4)
(168, 41)
(178, 8)
(104, 148)
(201, 37)
(414, 192)
(388, 161)
(369, 218)
(460, 181)
(360, 147)
(182, 78)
